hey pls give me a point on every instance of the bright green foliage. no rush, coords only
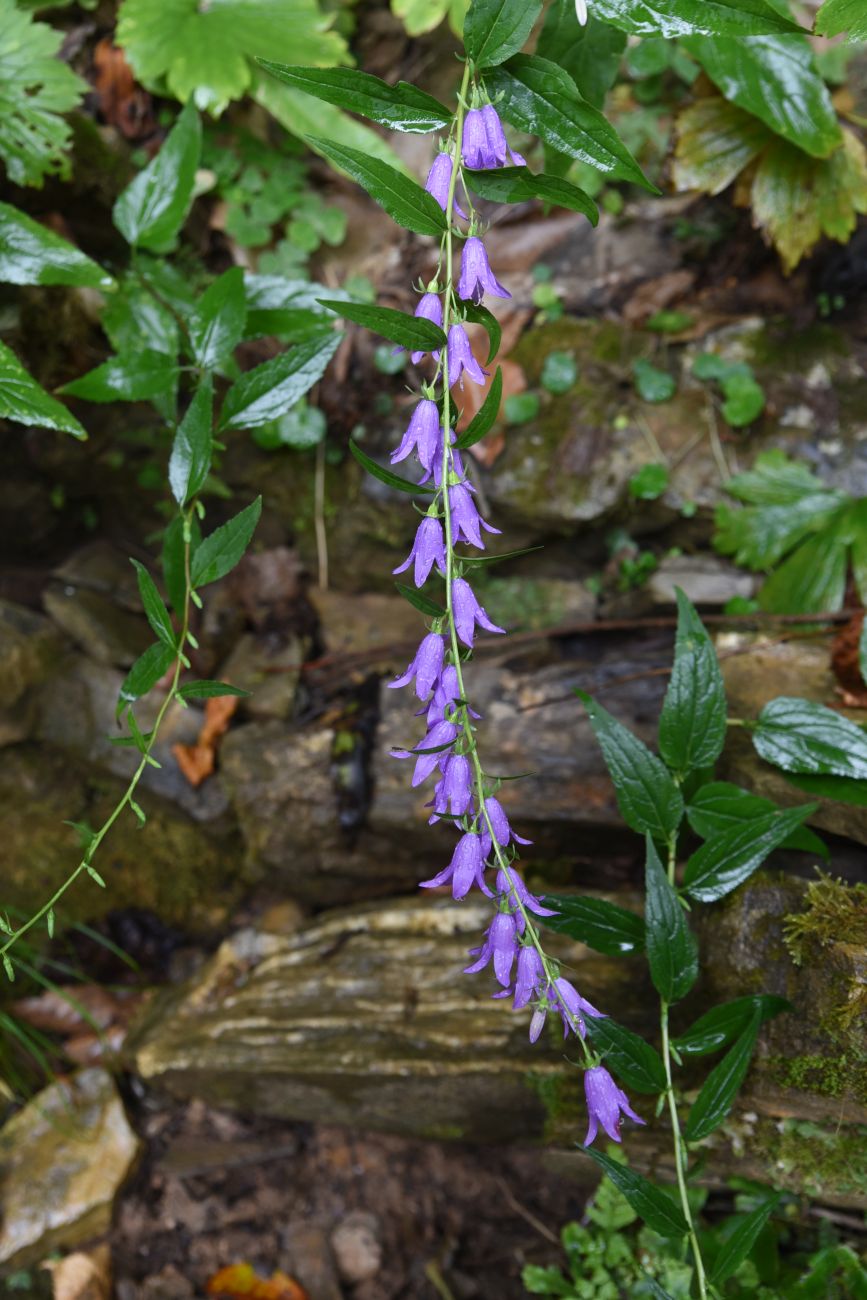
(26, 402)
(590, 54)
(651, 383)
(401, 108)
(420, 16)
(496, 29)
(649, 482)
(744, 395)
(673, 18)
(836, 16)
(204, 52)
(32, 254)
(35, 89)
(150, 212)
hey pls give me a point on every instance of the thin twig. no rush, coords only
(319, 516)
(516, 1205)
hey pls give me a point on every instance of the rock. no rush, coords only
(29, 647)
(270, 671)
(94, 599)
(357, 1246)
(309, 1259)
(705, 579)
(63, 1157)
(363, 1018)
(364, 623)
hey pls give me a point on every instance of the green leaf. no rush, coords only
(289, 308)
(811, 579)
(559, 372)
(800, 736)
(672, 952)
(401, 108)
(151, 210)
(481, 316)
(30, 253)
(654, 1289)
(649, 483)
(725, 1023)
(722, 1085)
(600, 925)
(774, 479)
(648, 799)
(219, 552)
(133, 377)
(420, 601)
(385, 475)
(267, 391)
(496, 29)
(652, 384)
(154, 606)
(518, 185)
(657, 1210)
(410, 332)
(173, 562)
(26, 402)
(134, 318)
(206, 690)
(542, 99)
(727, 860)
(719, 806)
(838, 16)
(36, 87)
(145, 673)
(190, 461)
(632, 1059)
(692, 725)
(216, 325)
(842, 789)
(590, 54)
(485, 417)
(736, 1247)
(403, 199)
(677, 18)
(205, 51)
(775, 78)
(745, 400)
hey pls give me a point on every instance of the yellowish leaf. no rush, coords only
(716, 140)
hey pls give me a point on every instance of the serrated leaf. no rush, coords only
(800, 736)
(677, 18)
(590, 53)
(716, 141)
(145, 673)
(496, 29)
(403, 199)
(190, 460)
(421, 602)
(133, 377)
(151, 210)
(657, 1210)
(216, 325)
(205, 51)
(600, 925)
(481, 316)
(411, 332)
(518, 185)
(727, 860)
(627, 1055)
(385, 475)
(26, 402)
(207, 690)
(648, 799)
(811, 579)
(542, 99)
(775, 78)
(719, 806)
(692, 725)
(401, 108)
(484, 419)
(722, 1085)
(716, 1028)
(737, 1247)
(36, 87)
(220, 551)
(836, 16)
(30, 253)
(269, 390)
(672, 952)
(154, 606)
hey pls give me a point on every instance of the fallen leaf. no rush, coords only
(242, 1282)
(69, 1009)
(655, 295)
(197, 762)
(81, 1276)
(122, 103)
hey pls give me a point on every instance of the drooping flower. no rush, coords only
(466, 520)
(468, 613)
(605, 1104)
(439, 178)
(428, 550)
(425, 667)
(503, 833)
(445, 696)
(512, 884)
(423, 435)
(467, 868)
(440, 735)
(530, 976)
(573, 1008)
(497, 137)
(501, 944)
(477, 278)
(457, 784)
(460, 358)
(476, 148)
(429, 308)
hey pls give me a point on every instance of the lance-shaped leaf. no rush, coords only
(647, 797)
(496, 29)
(145, 673)
(627, 1055)
(722, 1085)
(190, 460)
(675, 18)
(404, 200)
(385, 475)
(721, 1026)
(671, 947)
(411, 332)
(657, 1210)
(481, 316)
(484, 418)
(217, 323)
(692, 726)
(266, 392)
(800, 736)
(720, 806)
(541, 98)
(603, 926)
(727, 860)
(401, 108)
(154, 606)
(737, 1246)
(518, 185)
(421, 602)
(131, 377)
(30, 253)
(26, 402)
(207, 690)
(218, 553)
(154, 206)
